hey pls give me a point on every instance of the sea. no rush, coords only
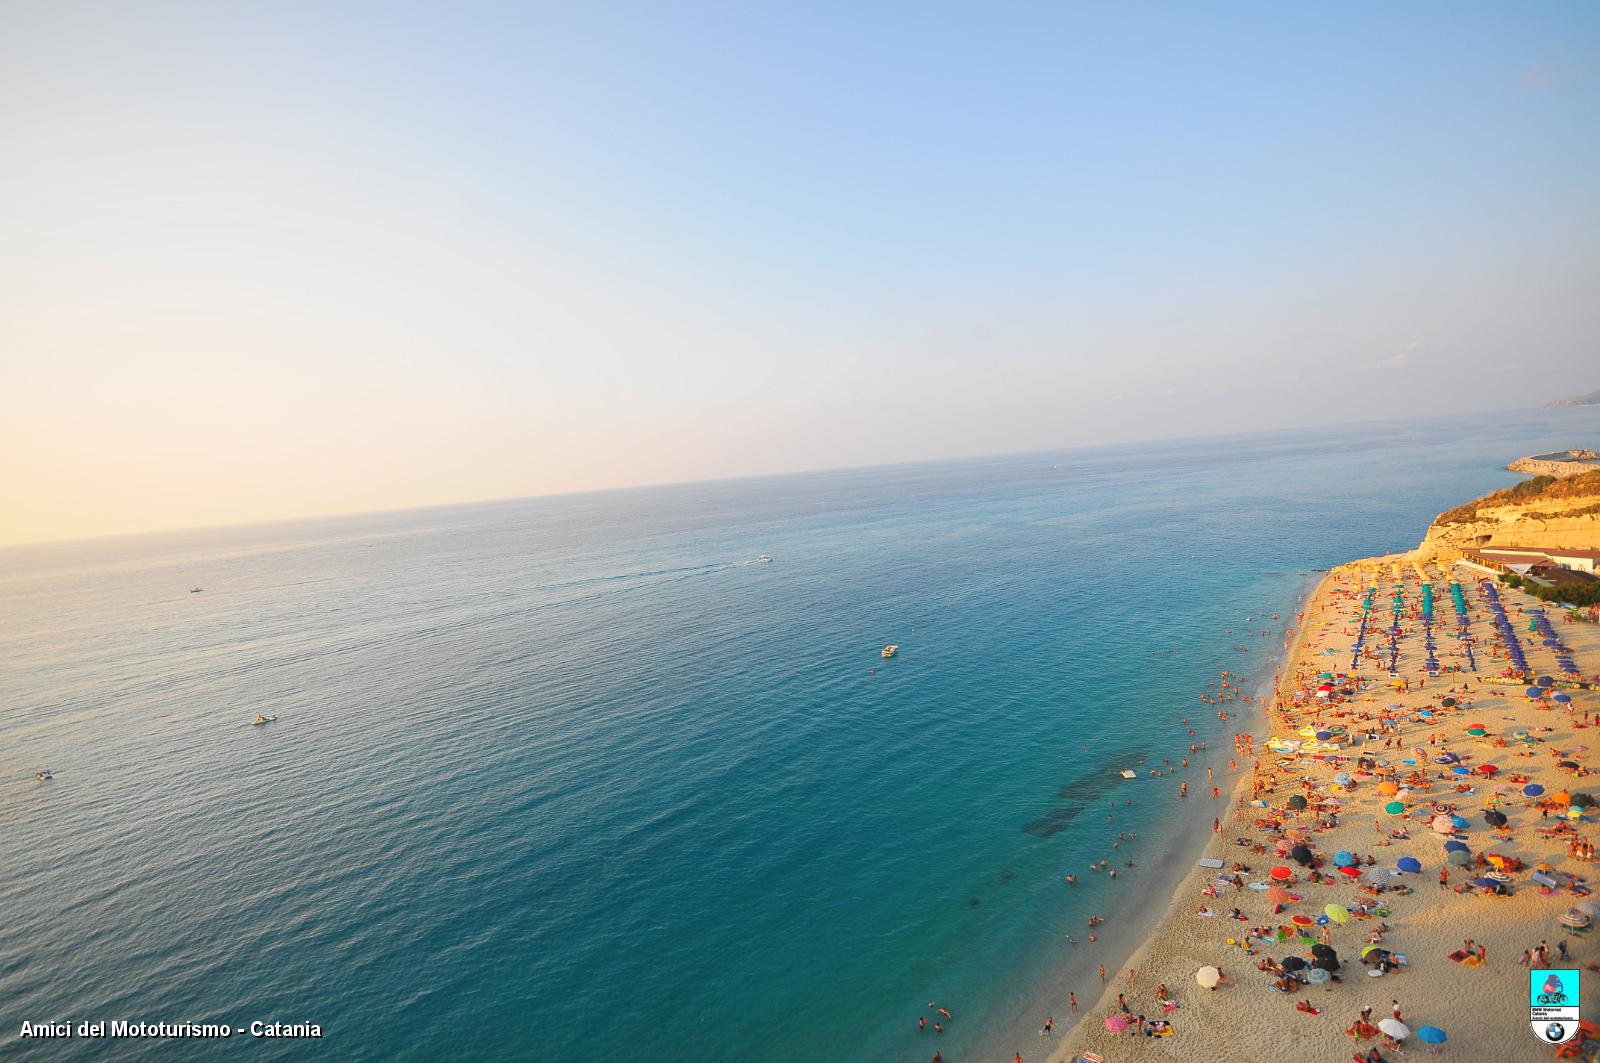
(582, 778)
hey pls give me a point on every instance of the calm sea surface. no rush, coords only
(577, 778)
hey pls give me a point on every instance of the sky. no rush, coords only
(279, 259)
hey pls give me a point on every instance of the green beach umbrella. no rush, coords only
(1394, 808)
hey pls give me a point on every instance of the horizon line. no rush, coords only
(454, 503)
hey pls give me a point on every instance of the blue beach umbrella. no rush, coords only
(1535, 692)
(1409, 863)
(1431, 1035)
(1533, 789)
(1343, 858)
(1546, 681)
(1484, 882)
(1343, 778)
(1461, 769)
(1458, 823)
(1560, 697)
(1323, 736)
(1456, 847)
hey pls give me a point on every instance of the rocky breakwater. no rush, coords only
(1560, 465)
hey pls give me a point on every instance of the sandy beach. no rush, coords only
(1395, 739)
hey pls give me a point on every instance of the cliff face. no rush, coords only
(1544, 511)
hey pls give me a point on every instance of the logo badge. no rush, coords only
(1553, 1004)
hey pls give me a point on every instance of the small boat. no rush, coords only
(764, 557)
(196, 590)
(259, 720)
(890, 650)
(44, 776)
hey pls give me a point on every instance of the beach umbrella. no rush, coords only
(1476, 732)
(1352, 872)
(1431, 1035)
(1456, 847)
(1459, 858)
(1320, 950)
(1448, 703)
(1535, 692)
(1301, 855)
(1279, 895)
(1343, 857)
(1487, 769)
(1374, 952)
(1582, 801)
(1533, 789)
(1449, 758)
(1441, 825)
(1409, 863)
(1302, 921)
(1297, 802)
(1394, 808)
(1388, 788)
(1574, 919)
(1561, 797)
(1395, 1028)
(1327, 963)
(1494, 819)
(1461, 769)
(1338, 913)
(1293, 963)
(1207, 977)
(1461, 824)
(1281, 873)
(1380, 876)
(1323, 736)
(1484, 881)
(1562, 698)
(1343, 778)
(1571, 765)
(1116, 1023)
(1546, 681)
(1316, 976)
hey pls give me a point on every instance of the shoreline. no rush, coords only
(1480, 1007)
(1184, 853)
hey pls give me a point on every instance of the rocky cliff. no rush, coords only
(1544, 511)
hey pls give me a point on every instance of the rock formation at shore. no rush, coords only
(1560, 464)
(1545, 511)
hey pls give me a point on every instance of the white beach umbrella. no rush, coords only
(1395, 1028)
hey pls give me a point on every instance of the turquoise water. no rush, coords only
(576, 778)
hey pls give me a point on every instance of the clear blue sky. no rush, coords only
(383, 254)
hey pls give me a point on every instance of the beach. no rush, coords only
(1430, 760)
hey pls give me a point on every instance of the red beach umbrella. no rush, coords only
(1281, 873)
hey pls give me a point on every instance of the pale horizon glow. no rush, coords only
(263, 262)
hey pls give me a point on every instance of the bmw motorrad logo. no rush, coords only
(1555, 1032)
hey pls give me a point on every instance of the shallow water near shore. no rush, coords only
(579, 778)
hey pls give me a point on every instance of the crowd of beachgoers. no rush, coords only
(1410, 839)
